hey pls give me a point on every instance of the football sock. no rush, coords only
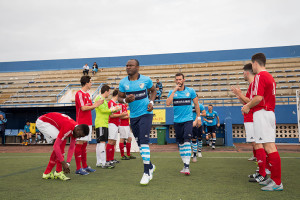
(188, 151)
(109, 152)
(145, 153)
(275, 163)
(83, 155)
(261, 161)
(199, 145)
(77, 154)
(51, 163)
(181, 152)
(30, 140)
(112, 152)
(128, 147)
(121, 146)
(194, 144)
(101, 153)
(58, 166)
(268, 162)
(98, 152)
(214, 141)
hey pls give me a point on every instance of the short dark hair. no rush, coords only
(84, 80)
(137, 62)
(210, 105)
(115, 92)
(179, 74)
(248, 68)
(104, 88)
(85, 129)
(260, 58)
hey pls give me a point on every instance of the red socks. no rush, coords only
(109, 152)
(128, 146)
(51, 163)
(78, 154)
(275, 163)
(83, 155)
(121, 146)
(254, 152)
(261, 160)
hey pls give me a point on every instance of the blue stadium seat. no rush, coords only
(223, 74)
(294, 87)
(224, 89)
(280, 76)
(204, 84)
(214, 90)
(196, 84)
(204, 90)
(288, 70)
(214, 79)
(290, 75)
(205, 79)
(214, 74)
(292, 81)
(197, 74)
(278, 71)
(223, 79)
(196, 79)
(284, 87)
(214, 84)
(223, 83)
(14, 132)
(7, 131)
(297, 70)
(282, 82)
(189, 75)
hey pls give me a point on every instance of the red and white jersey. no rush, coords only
(264, 85)
(83, 99)
(115, 120)
(124, 122)
(62, 122)
(249, 117)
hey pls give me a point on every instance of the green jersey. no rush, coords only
(102, 113)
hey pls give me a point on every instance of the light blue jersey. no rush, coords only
(182, 104)
(211, 117)
(27, 128)
(139, 88)
(194, 110)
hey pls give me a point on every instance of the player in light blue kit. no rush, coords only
(211, 119)
(182, 98)
(197, 133)
(133, 90)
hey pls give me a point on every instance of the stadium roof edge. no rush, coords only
(153, 59)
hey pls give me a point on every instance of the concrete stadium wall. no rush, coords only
(156, 59)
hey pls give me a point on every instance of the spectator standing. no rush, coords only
(27, 133)
(3, 121)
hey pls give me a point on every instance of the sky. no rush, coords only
(62, 29)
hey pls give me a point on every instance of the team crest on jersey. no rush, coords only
(187, 94)
(175, 95)
(142, 85)
(127, 87)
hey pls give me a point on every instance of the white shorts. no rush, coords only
(124, 132)
(49, 131)
(112, 131)
(88, 137)
(249, 131)
(264, 126)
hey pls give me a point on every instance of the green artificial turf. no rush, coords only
(218, 175)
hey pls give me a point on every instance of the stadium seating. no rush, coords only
(210, 80)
